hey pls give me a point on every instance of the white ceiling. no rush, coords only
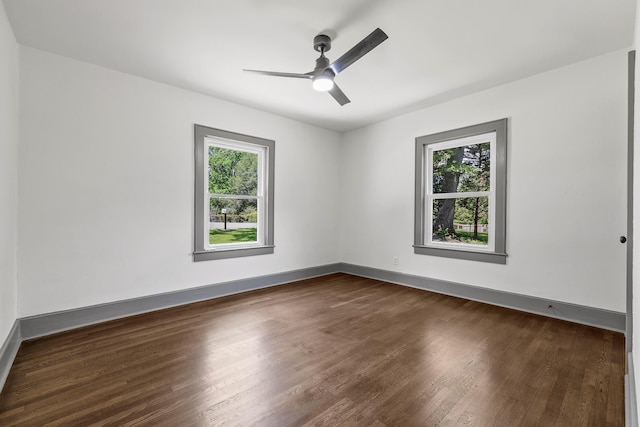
(437, 49)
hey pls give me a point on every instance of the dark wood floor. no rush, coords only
(336, 350)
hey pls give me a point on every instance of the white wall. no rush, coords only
(566, 186)
(8, 174)
(106, 187)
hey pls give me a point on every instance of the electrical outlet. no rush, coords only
(395, 260)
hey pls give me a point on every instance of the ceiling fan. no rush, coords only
(324, 73)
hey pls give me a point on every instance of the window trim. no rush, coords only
(202, 250)
(498, 255)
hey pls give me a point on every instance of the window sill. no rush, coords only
(492, 257)
(232, 253)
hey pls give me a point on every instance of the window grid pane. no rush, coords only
(460, 169)
(463, 220)
(233, 221)
(232, 171)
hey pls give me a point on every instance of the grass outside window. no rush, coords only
(237, 235)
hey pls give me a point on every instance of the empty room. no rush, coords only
(363, 212)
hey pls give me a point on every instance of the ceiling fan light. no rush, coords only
(322, 83)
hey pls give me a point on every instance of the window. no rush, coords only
(460, 201)
(233, 194)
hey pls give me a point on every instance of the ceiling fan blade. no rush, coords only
(359, 50)
(279, 74)
(339, 95)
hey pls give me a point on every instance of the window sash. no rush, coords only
(260, 238)
(428, 231)
(461, 142)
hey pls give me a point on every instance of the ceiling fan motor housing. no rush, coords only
(322, 43)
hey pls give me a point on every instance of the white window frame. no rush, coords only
(430, 196)
(496, 134)
(259, 197)
(206, 137)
